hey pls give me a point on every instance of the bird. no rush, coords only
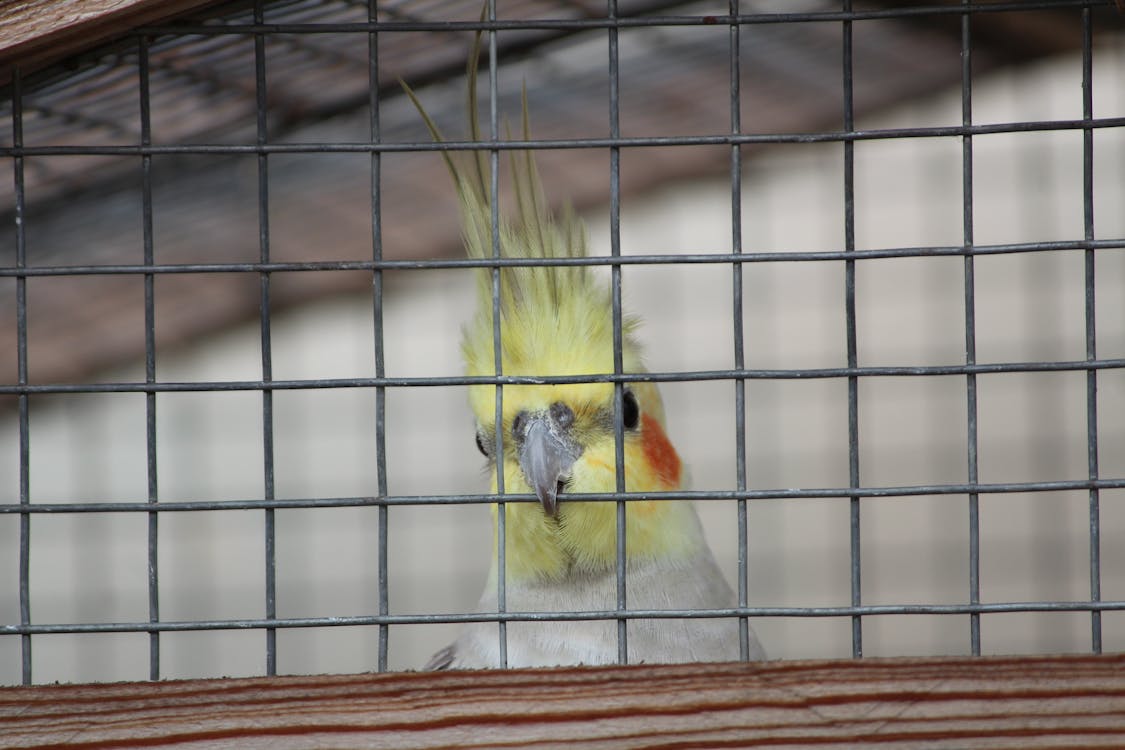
(557, 441)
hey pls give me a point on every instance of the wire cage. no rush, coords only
(878, 250)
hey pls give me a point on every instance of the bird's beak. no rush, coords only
(545, 458)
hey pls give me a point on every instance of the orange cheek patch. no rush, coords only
(659, 452)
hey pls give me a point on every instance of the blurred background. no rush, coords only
(83, 209)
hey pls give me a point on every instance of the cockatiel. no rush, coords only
(561, 554)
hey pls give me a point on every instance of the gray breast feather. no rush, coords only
(693, 584)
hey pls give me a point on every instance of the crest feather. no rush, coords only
(555, 320)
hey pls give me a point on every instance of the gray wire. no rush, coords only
(970, 328)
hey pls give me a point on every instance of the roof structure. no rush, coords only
(203, 117)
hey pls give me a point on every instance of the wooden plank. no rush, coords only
(991, 702)
(36, 33)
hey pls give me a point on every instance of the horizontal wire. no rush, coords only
(13, 389)
(173, 506)
(728, 139)
(935, 251)
(524, 24)
(630, 614)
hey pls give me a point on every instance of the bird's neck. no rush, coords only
(582, 538)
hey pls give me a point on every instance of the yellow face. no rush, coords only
(559, 534)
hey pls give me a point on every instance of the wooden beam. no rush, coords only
(990, 702)
(36, 33)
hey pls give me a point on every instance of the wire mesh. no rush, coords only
(258, 134)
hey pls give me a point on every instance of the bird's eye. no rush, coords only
(630, 410)
(481, 445)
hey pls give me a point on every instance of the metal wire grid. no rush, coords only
(736, 140)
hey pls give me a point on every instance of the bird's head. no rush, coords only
(558, 442)
(556, 320)
(559, 439)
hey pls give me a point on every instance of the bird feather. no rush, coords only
(556, 318)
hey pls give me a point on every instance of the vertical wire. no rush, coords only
(618, 363)
(1091, 337)
(497, 339)
(150, 363)
(21, 376)
(739, 344)
(970, 325)
(267, 356)
(377, 312)
(850, 323)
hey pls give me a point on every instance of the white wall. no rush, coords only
(91, 568)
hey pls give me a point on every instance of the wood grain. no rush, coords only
(991, 702)
(35, 33)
